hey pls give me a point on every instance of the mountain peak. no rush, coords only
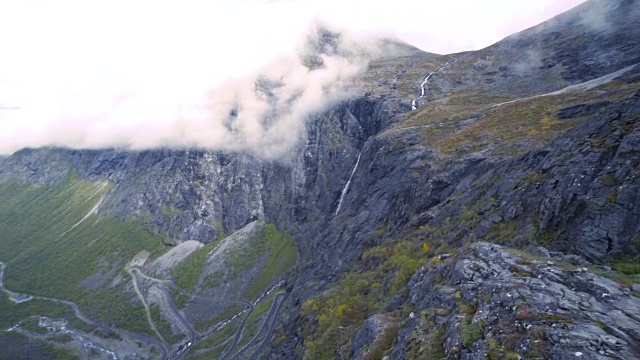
(476, 205)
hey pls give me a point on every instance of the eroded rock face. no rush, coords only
(372, 331)
(400, 186)
(595, 38)
(532, 306)
(199, 195)
(578, 195)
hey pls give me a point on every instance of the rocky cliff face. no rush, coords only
(531, 142)
(197, 195)
(486, 299)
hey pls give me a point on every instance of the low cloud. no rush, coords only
(174, 74)
(264, 113)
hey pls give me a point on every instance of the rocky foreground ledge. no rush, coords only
(492, 302)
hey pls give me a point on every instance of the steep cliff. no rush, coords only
(532, 144)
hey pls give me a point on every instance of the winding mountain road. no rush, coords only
(238, 335)
(265, 340)
(86, 320)
(193, 336)
(144, 303)
(192, 333)
(273, 310)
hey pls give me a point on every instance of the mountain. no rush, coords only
(497, 216)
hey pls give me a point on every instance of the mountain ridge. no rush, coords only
(483, 159)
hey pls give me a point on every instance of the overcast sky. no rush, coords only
(64, 60)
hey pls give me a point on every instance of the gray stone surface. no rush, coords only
(578, 195)
(519, 299)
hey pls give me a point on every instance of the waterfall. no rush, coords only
(346, 186)
(424, 83)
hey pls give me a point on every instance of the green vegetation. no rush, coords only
(51, 243)
(116, 308)
(449, 111)
(13, 346)
(163, 325)
(203, 323)
(503, 351)
(629, 266)
(283, 254)
(383, 343)
(427, 344)
(537, 343)
(169, 211)
(335, 317)
(32, 324)
(503, 232)
(216, 341)
(494, 349)
(11, 313)
(427, 339)
(179, 299)
(77, 324)
(512, 356)
(256, 319)
(187, 273)
(470, 332)
(466, 121)
(62, 338)
(609, 179)
(278, 248)
(515, 127)
(619, 277)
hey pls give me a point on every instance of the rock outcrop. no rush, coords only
(489, 301)
(558, 170)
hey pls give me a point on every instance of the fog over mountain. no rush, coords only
(245, 185)
(220, 76)
(263, 113)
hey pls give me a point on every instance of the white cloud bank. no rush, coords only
(144, 74)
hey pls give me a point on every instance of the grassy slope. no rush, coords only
(187, 273)
(334, 317)
(446, 115)
(282, 255)
(43, 257)
(15, 346)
